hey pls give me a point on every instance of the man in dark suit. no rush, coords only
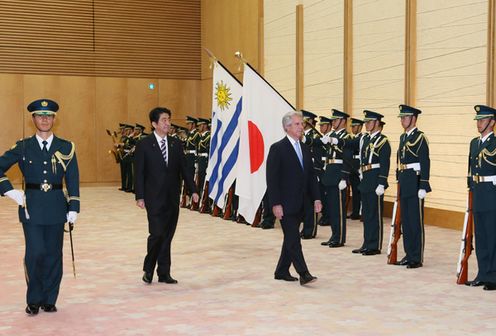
(45, 162)
(291, 183)
(482, 183)
(160, 166)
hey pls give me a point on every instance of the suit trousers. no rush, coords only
(43, 262)
(412, 226)
(291, 252)
(161, 227)
(336, 210)
(373, 226)
(485, 245)
(309, 223)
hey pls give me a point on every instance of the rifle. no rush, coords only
(204, 201)
(466, 243)
(258, 217)
(228, 206)
(395, 233)
(184, 197)
(193, 205)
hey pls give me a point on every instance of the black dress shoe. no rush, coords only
(307, 237)
(371, 252)
(414, 265)
(402, 262)
(325, 243)
(167, 279)
(147, 277)
(49, 308)
(285, 277)
(306, 278)
(267, 226)
(474, 283)
(32, 309)
(489, 286)
(359, 250)
(354, 217)
(334, 245)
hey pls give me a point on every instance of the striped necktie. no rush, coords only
(163, 148)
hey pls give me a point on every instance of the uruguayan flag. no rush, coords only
(224, 142)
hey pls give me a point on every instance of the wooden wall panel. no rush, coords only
(11, 88)
(228, 26)
(110, 110)
(89, 106)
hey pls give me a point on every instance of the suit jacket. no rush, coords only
(59, 164)
(482, 162)
(156, 182)
(288, 184)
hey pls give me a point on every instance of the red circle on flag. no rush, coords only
(256, 147)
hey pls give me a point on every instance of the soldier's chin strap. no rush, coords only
(485, 128)
(410, 123)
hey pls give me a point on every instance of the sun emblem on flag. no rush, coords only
(222, 95)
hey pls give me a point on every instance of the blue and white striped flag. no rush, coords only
(224, 142)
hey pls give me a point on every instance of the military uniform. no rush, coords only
(203, 153)
(413, 175)
(309, 223)
(482, 183)
(375, 154)
(46, 206)
(319, 151)
(191, 150)
(337, 169)
(355, 173)
(129, 144)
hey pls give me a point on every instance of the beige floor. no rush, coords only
(226, 286)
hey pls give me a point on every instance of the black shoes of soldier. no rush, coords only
(49, 308)
(32, 309)
(489, 286)
(285, 277)
(414, 265)
(402, 262)
(474, 283)
(359, 250)
(167, 279)
(147, 277)
(334, 245)
(306, 278)
(370, 252)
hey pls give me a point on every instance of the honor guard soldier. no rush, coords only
(203, 152)
(375, 154)
(336, 173)
(120, 150)
(482, 183)
(173, 130)
(309, 135)
(356, 130)
(320, 155)
(45, 162)
(190, 151)
(127, 158)
(413, 178)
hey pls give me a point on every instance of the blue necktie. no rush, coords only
(298, 152)
(44, 149)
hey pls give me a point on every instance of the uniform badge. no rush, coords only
(44, 103)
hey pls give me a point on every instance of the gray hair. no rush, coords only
(287, 119)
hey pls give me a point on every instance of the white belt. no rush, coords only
(478, 179)
(356, 157)
(415, 166)
(324, 158)
(203, 154)
(368, 167)
(190, 152)
(334, 161)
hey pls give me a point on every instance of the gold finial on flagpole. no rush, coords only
(211, 57)
(241, 59)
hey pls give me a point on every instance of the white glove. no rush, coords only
(422, 193)
(325, 139)
(334, 141)
(16, 195)
(494, 182)
(303, 139)
(72, 217)
(379, 191)
(342, 185)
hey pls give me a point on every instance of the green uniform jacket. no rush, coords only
(379, 149)
(333, 173)
(49, 207)
(482, 162)
(413, 149)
